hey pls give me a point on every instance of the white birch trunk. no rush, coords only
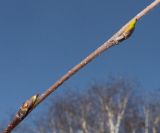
(115, 125)
(121, 114)
(110, 120)
(155, 124)
(84, 125)
(146, 112)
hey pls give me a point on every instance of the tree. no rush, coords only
(113, 107)
(124, 33)
(100, 110)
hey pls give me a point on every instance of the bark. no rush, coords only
(155, 124)
(114, 123)
(121, 114)
(146, 112)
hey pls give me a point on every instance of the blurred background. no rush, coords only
(41, 40)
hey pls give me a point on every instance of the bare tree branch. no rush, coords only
(123, 34)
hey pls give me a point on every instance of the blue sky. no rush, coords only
(41, 40)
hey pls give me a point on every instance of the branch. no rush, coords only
(123, 34)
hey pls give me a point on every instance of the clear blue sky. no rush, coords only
(40, 40)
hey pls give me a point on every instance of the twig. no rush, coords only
(123, 34)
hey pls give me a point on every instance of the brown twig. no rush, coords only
(115, 39)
